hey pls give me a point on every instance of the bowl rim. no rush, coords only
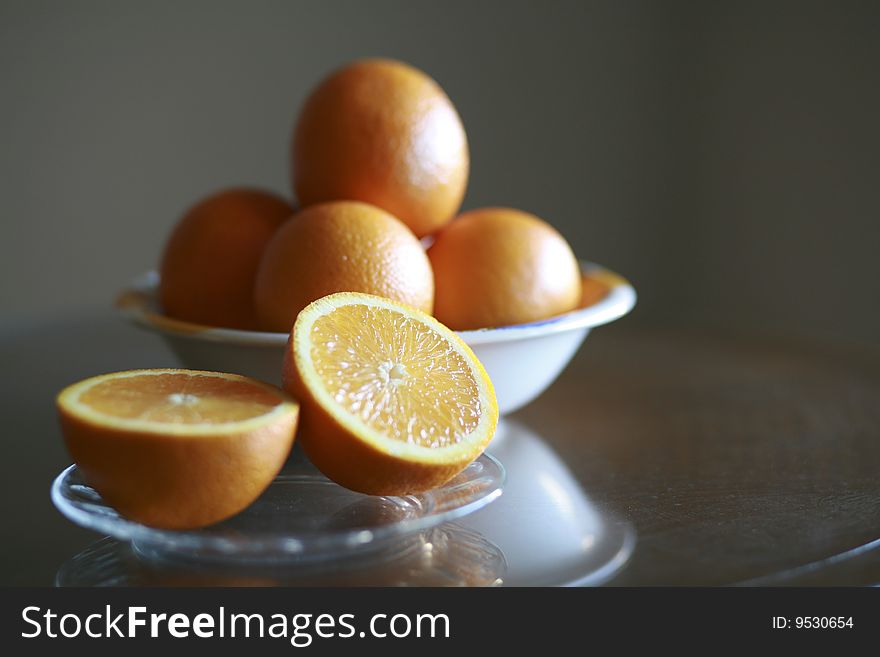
(138, 302)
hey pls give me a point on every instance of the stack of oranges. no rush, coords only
(380, 165)
(390, 399)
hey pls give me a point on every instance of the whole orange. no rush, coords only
(382, 132)
(342, 246)
(498, 266)
(211, 257)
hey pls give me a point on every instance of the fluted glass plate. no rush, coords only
(302, 516)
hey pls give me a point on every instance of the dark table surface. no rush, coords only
(725, 459)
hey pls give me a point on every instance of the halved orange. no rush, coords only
(177, 448)
(393, 402)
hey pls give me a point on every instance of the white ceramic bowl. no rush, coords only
(522, 360)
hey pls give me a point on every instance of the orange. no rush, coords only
(498, 266)
(177, 449)
(344, 246)
(211, 258)
(383, 132)
(393, 402)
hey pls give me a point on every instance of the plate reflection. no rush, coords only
(549, 530)
(447, 555)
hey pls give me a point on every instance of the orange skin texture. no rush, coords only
(382, 132)
(178, 482)
(498, 267)
(342, 246)
(212, 255)
(353, 463)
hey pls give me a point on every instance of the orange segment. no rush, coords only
(177, 448)
(381, 365)
(393, 401)
(179, 398)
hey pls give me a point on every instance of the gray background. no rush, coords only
(723, 156)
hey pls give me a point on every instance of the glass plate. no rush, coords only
(302, 516)
(446, 555)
